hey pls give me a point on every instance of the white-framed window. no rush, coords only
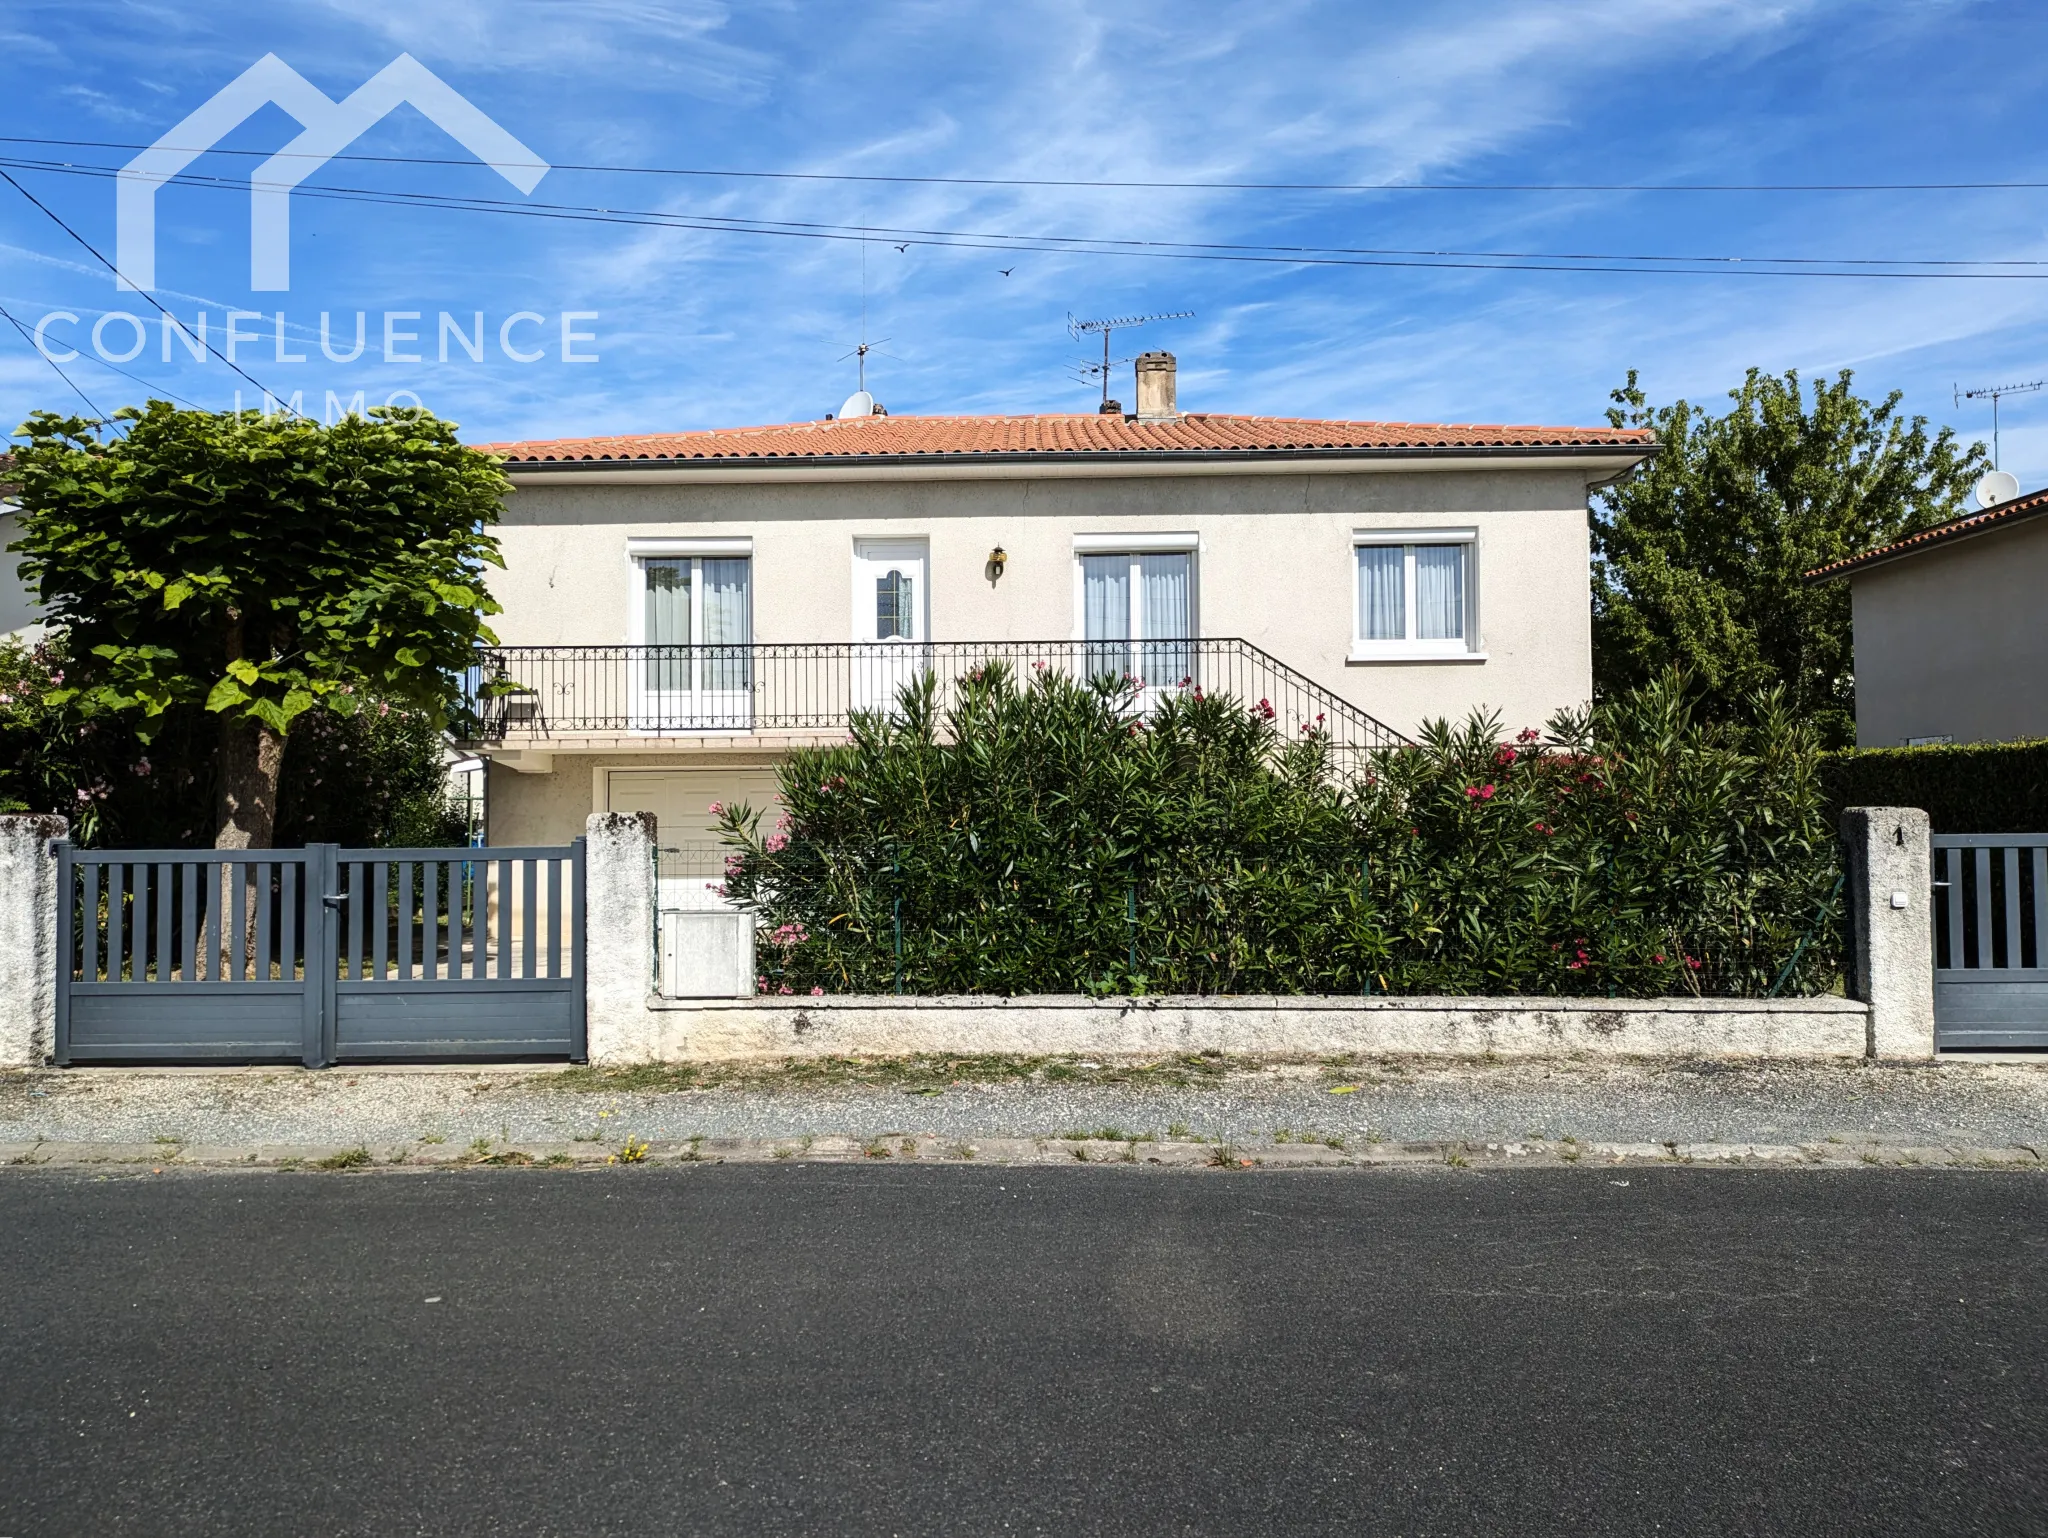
(1414, 594)
(1135, 605)
(693, 611)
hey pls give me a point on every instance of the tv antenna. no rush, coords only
(1994, 392)
(1080, 328)
(861, 403)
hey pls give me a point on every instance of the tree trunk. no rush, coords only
(251, 759)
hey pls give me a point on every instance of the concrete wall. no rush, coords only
(679, 1030)
(1951, 642)
(28, 939)
(19, 613)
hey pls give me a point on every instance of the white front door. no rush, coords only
(891, 605)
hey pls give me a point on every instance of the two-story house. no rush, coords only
(681, 609)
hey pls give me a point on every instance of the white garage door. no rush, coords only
(692, 858)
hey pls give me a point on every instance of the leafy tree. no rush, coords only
(1701, 554)
(377, 778)
(256, 568)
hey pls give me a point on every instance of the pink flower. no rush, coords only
(1266, 709)
(717, 809)
(1479, 792)
(1658, 958)
(776, 843)
(1486, 793)
(817, 993)
(785, 988)
(1527, 734)
(1693, 962)
(1504, 757)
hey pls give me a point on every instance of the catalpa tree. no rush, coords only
(257, 568)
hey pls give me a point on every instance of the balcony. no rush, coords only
(555, 698)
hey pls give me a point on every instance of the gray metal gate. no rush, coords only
(1990, 940)
(321, 955)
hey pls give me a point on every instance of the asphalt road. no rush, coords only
(876, 1350)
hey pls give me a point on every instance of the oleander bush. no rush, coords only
(1049, 836)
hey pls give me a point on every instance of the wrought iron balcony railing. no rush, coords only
(528, 694)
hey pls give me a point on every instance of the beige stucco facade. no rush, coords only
(1273, 564)
(1951, 641)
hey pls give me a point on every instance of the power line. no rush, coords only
(68, 230)
(31, 341)
(1074, 182)
(1281, 255)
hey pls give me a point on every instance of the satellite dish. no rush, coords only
(1997, 486)
(862, 404)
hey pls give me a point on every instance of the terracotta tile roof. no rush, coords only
(2018, 510)
(907, 436)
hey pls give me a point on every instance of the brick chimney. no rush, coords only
(1156, 387)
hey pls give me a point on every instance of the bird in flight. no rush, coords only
(904, 247)
(1006, 271)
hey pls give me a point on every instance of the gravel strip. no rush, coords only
(1383, 1101)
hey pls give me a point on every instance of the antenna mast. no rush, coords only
(1080, 328)
(1994, 392)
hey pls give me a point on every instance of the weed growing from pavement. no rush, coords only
(632, 1151)
(875, 1148)
(347, 1159)
(917, 1074)
(961, 1151)
(432, 1137)
(694, 1154)
(556, 1160)
(480, 1149)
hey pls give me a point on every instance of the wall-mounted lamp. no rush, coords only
(997, 559)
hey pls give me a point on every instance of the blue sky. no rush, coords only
(698, 329)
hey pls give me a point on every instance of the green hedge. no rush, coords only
(1050, 837)
(1995, 787)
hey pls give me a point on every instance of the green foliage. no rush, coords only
(372, 779)
(1991, 787)
(257, 566)
(1045, 838)
(1701, 553)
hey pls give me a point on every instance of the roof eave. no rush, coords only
(1889, 554)
(1623, 455)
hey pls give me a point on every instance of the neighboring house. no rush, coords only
(1950, 641)
(20, 615)
(682, 609)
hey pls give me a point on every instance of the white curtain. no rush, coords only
(1106, 613)
(728, 623)
(1382, 612)
(668, 624)
(1440, 592)
(895, 607)
(1167, 582)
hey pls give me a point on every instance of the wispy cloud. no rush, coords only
(702, 328)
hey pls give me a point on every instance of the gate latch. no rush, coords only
(334, 899)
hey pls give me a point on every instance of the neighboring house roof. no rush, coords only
(1990, 521)
(1197, 436)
